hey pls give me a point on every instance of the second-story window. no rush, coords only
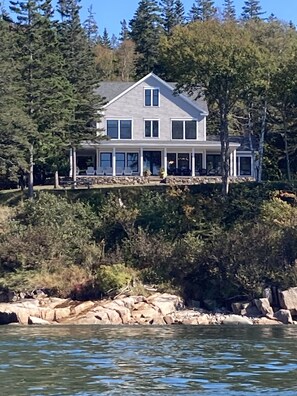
(151, 128)
(119, 129)
(151, 97)
(184, 130)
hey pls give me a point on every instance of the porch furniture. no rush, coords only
(108, 171)
(119, 171)
(128, 172)
(100, 171)
(90, 171)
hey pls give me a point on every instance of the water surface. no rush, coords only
(175, 360)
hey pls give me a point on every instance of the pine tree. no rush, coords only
(15, 124)
(124, 33)
(229, 12)
(105, 39)
(172, 14)
(251, 10)
(81, 74)
(202, 10)
(179, 12)
(91, 27)
(145, 31)
(47, 91)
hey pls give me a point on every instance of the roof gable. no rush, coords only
(113, 90)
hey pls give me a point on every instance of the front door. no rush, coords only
(152, 162)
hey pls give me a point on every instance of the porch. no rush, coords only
(131, 161)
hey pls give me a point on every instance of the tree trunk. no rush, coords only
(286, 146)
(225, 154)
(261, 143)
(31, 173)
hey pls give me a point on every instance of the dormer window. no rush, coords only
(151, 97)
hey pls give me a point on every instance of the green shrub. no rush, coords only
(113, 278)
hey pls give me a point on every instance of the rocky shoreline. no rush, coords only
(157, 309)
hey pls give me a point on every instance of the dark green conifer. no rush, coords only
(229, 12)
(252, 9)
(202, 10)
(145, 31)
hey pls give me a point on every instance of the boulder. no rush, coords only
(288, 299)
(166, 303)
(266, 321)
(236, 320)
(82, 307)
(250, 309)
(33, 320)
(264, 306)
(61, 313)
(284, 316)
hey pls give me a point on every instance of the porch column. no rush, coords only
(141, 161)
(234, 163)
(74, 166)
(193, 162)
(231, 163)
(204, 159)
(165, 160)
(71, 163)
(97, 161)
(113, 161)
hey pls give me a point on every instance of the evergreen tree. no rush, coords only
(91, 26)
(15, 124)
(179, 12)
(81, 73)
(202, 10)
(251, 10)
(145, 32)
(124, 33)
(172, 14)
(105, 39)
(47, 91)
(229, 12)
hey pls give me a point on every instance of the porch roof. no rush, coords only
(158, 144)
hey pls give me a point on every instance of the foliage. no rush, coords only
(114, 278)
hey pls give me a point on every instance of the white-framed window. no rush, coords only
(119, 129)
(151, 128)
(151, 97)
(244, 165)
(184, 129)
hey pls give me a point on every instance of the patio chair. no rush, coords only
(108, 171)
(90, 171)
(100, 171)
(119, 171)
(128, 171)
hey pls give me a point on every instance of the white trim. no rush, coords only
(189, 101)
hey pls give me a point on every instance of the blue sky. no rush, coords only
(109, 13)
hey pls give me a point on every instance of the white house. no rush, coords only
(148, 128)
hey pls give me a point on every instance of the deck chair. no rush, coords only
(100, 171)
(128, 171)
(108, 171)
(90, 171)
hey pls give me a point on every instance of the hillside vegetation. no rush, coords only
(94, 243)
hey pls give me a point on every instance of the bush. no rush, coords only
(113, 278)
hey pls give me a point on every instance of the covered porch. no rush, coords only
(171, 159)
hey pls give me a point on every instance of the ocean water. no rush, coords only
(140, 360)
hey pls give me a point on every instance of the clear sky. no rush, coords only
(109, 13)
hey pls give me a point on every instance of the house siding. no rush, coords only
(131, 106)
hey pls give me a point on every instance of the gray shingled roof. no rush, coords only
(244, 141)
(111, 89)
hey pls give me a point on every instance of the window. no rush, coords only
(151, 97)
(151, 129)
(132, 161)
(119, 129)
(184, 130)
(120, 161)
(105, 160)
(198, 162)
(213, 164)
(245, 166)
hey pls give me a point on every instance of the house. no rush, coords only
(149, 127)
